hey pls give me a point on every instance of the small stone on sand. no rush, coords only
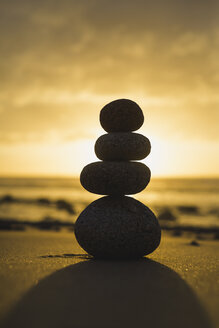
(194, 243)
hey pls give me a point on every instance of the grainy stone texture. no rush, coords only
(115, 178)
(122, 146)
(122, 115)
(120, 227)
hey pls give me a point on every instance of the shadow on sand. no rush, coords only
(102, 294)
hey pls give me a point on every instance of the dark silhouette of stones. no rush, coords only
(194, 210)
(167, 215)
(122, 146)
(122, 115)
(115, 178)
(61, 204)
(44, 201)
(7, 199)
(117, 227)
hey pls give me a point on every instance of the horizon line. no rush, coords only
(77, 176)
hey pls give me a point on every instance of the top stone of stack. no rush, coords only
(122, 115)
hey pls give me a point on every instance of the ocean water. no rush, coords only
(191, 201)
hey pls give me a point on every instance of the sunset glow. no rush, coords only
(61, 66)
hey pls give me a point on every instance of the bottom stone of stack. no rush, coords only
(117, 228)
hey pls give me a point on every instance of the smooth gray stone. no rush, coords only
(119, 228)
(122, 115)
(115, 178)
(122, 146)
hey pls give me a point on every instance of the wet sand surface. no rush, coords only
(46, 280)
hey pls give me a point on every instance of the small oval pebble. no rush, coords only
(118, 228)
(122, 146)
(115, 178)
(122, 115)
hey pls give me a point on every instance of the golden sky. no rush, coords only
(62, 61)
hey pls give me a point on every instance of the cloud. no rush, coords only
(63, 60)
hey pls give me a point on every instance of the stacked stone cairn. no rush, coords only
(117, 226)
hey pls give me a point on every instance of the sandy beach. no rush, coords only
(48, 281)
